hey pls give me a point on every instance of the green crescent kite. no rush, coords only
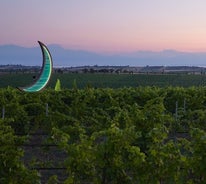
(45, 74)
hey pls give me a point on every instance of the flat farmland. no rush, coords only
(106, 80)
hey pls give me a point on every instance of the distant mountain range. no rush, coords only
(12, 54)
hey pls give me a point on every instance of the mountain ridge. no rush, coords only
(31, 56)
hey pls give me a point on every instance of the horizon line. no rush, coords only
(109, 51)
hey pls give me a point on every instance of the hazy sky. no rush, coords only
(106, 25)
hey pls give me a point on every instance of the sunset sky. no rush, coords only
(106, 26)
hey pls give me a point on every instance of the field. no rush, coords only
(125, 135)
(107, 80)
(104, 128)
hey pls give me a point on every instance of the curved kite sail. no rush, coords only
(45, 74)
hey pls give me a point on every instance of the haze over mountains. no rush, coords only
(12, 54)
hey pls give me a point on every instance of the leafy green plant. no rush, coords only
(12, 170)
(58, 85)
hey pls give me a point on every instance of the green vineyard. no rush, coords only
(125, 135)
